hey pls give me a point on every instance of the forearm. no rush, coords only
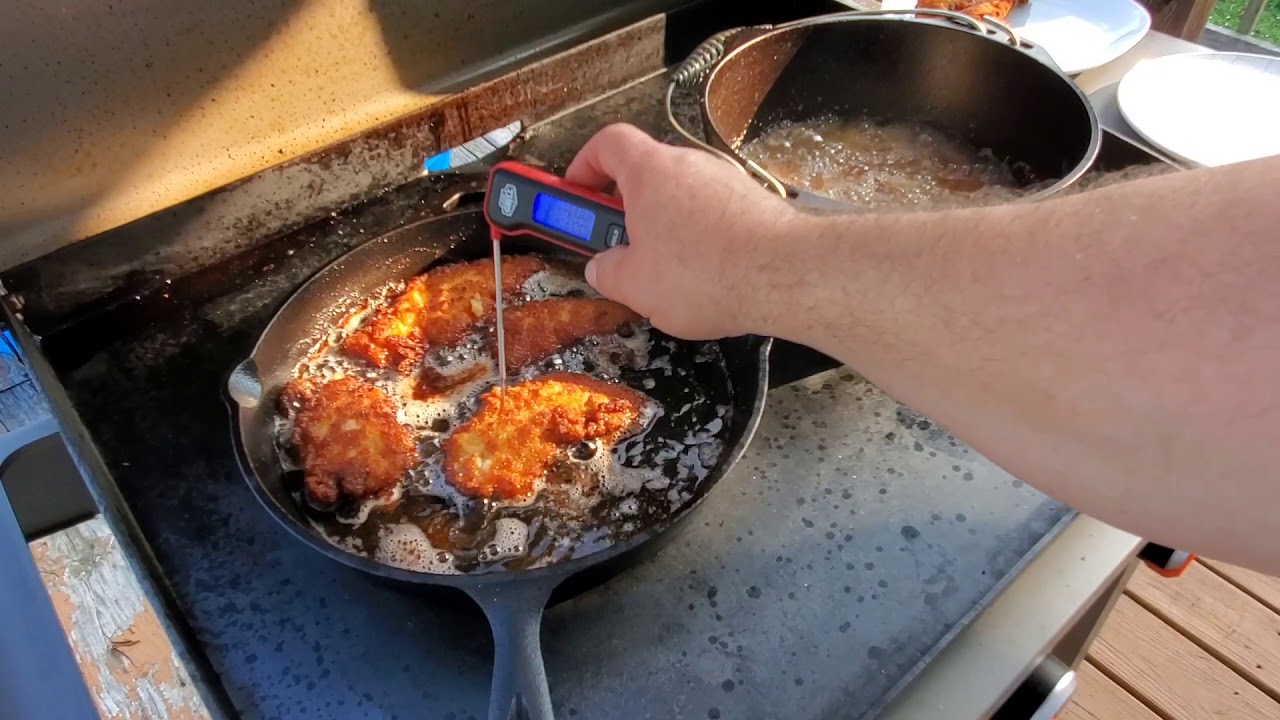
(1118, 349)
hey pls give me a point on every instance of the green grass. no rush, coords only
(1227, 14)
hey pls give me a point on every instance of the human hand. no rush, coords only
(702, 235)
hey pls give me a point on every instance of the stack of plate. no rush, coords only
(1206, 109)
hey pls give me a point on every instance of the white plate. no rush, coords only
(1207, 108)
(1078, 34)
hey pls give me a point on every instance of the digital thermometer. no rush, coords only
(522, 200)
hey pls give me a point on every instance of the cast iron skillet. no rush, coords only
(513, 601)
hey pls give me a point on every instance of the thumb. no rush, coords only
(605, 272)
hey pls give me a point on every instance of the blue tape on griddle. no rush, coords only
(439, 162)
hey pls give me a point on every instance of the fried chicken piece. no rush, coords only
(534, 331)
(952, 5)
(996, 9)
(348, 439)
(436, 309)
(538, 329)
(514, 439)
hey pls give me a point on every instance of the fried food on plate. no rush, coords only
(348, 439)
(514, 439)
(995, 9)
(436, 309)
(538, 329)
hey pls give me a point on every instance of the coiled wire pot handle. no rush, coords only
(690, 73)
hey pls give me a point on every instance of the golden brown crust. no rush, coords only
(538, 329)
(514, 438)
(349, 441)
(996, 9)
(436, 309)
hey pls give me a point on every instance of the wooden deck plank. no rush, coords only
(127, 660)
(1218, 616)
(1264, 588)
(1097, 697)
(1164, 670)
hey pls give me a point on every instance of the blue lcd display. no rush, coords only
(557, 214)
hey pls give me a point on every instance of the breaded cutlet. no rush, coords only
(515, 438)
(536, 330)
(436, 309)
(348, 439)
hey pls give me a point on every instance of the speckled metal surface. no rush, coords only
(853, 535)
(129, 107)
(139, 257)
(849, 540)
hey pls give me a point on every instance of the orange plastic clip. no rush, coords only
(1166, 562)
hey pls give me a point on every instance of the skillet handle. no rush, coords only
(519, 690)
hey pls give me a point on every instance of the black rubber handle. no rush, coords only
(519, 690)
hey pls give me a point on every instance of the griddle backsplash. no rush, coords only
(851, 538)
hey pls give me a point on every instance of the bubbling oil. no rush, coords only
(594, 495)
(881, 167)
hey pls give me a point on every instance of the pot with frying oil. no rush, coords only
(871, 166)
(593, 496)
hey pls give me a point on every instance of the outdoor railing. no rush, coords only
(1249, 19)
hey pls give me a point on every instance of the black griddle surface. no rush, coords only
(852, 537)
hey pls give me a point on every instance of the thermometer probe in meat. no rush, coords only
(522, 200)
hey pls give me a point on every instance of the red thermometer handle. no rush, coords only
(522, 200)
